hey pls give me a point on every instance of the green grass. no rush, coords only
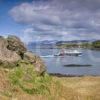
(7, 93)
(25, 84)
(28, 80)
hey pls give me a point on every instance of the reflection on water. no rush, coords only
(56, 64)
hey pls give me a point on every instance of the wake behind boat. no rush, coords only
(69, 53)
(48, 56)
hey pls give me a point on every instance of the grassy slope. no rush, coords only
(69, 88)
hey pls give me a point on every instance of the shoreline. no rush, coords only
(70, 75)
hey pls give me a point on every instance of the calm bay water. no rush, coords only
(56, 64)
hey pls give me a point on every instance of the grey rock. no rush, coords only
(7, 57)
(12, 51)
(15, 44)
(36, 61)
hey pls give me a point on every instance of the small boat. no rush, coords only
(69, 53)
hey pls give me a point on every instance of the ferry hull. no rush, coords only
(69, 54)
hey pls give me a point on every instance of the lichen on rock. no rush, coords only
(7, 57)
(13, 50)
(15, 44)
(36, 61)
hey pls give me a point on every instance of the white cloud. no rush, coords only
(56, 18)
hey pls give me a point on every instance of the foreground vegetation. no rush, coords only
(23, 83)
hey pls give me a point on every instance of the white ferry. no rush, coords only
(69, 53)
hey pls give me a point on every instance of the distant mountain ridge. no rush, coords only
(56, 41)
(53, 43)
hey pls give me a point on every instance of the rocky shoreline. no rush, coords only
(68, 75)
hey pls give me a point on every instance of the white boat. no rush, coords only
(69, 53)
(73, 52)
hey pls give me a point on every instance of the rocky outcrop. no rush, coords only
(15, 44)
(12, 50)
(7, 57)
(36, 61)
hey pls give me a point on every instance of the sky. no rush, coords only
(39, 20)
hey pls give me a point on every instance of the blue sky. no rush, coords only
(7, 25)
(38, 20)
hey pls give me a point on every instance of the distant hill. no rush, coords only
(52, 44)
(74, 41)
